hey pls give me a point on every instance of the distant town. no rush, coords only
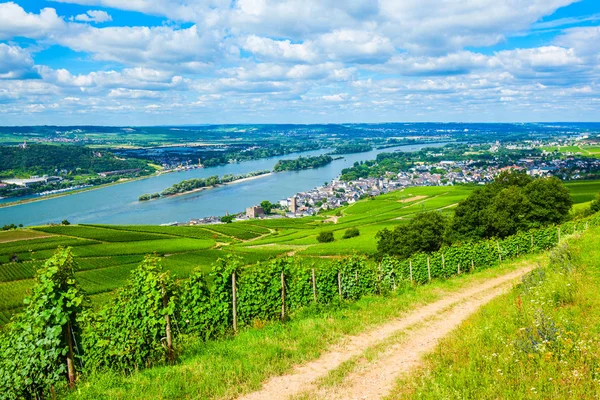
(339, 193)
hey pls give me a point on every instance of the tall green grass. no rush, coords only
(542, 340)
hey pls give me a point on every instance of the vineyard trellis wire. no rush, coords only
(136, 331)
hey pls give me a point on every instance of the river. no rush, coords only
(118, 204)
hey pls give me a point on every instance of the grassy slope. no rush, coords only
(108, 253)
(539, 341)
(227, 367)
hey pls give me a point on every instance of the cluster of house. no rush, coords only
(443, 173)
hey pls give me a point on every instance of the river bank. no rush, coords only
(77, 191)
(118, 203)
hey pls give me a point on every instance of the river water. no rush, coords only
(118, 204)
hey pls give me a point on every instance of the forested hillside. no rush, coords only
(39, 159)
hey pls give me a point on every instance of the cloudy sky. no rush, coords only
(145, 62)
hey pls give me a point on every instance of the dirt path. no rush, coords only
(435, 320)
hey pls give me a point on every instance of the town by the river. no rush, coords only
(118, 204)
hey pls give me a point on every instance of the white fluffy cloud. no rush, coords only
(299, 58)
(15, 22)
(96, 16)
(15, 63)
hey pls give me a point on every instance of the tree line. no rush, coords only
(514, 202)
(301, 163)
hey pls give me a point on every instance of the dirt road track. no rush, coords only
(373, 381)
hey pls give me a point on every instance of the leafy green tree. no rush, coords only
(510, 178)
(424, 233)
(471, 216)
(325, 237)
(38, 348)
(65, 222)
(267, 206)
(228, 219)
(550, 201)
(508, 213)
(513, 202)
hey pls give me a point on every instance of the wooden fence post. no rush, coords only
(472, 265)
(282, 296)
(443, 262)
(559, 234)
(165, 301)
(458, 268)
(340, 284)
(234, 293)
(410, 269)
(499, 252)
(532, 245)
(314, 285)
(356, 276)
(586, 225)
(71, 357)
(428, 269)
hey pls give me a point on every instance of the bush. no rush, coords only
(228, 219)
(325, 237)
(350, 233)
(65, 222)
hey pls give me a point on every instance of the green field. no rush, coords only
(106, 254)
(591, 151)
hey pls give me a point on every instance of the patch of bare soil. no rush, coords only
(411, 199)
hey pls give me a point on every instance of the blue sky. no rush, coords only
(146, 62)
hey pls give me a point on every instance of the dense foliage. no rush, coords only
(350, 148)
(424, 233)
(351, 232)
(595, 206)
(135, 330)
(325, 237)
(39, 348)
(39, 159)
(301, 163)
(512, 203)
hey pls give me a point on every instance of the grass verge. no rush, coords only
(539, 341)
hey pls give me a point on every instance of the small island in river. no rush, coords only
(192, 185)
(302, 163)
